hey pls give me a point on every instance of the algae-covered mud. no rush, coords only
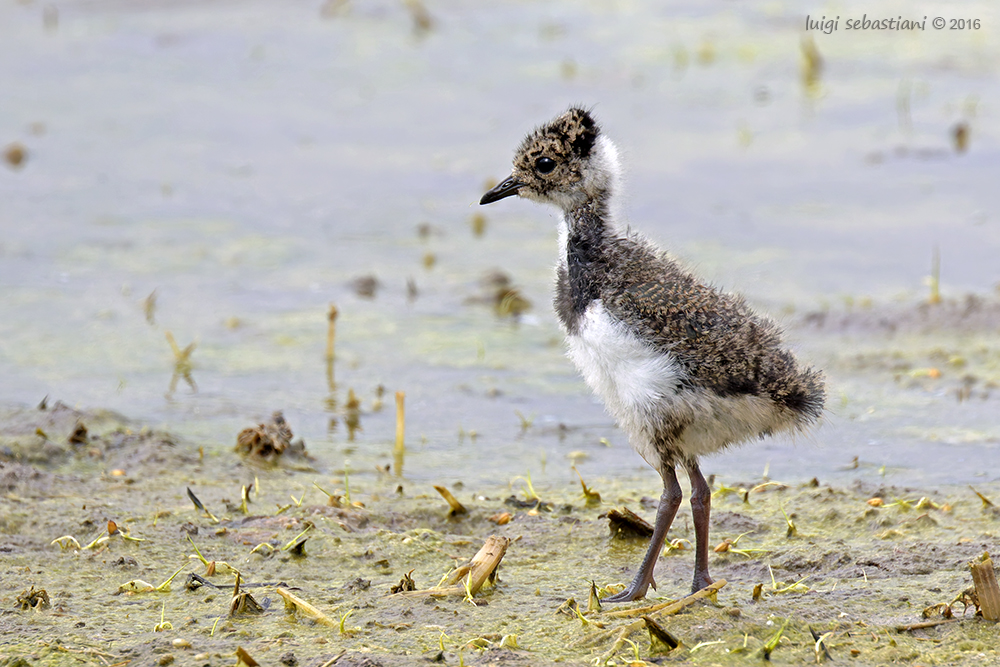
(852, 564)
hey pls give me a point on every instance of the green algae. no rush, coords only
(850, 571)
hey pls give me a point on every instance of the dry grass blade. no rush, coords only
(294, 602)
(670, 608)
(399, 449)
(665, 609)
(474, 575)
(925, 624)
(243, 658)
(243, 603)
(456, 507)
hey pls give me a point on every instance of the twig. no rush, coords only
(669, 608)
(665, 609)
(925, 624)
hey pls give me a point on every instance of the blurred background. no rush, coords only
(224, 171)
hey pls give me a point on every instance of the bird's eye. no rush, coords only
(545, 165)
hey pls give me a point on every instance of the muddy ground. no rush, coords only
(860, 562)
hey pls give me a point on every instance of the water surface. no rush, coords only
(247, 161)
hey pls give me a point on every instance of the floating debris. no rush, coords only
(293, 603)
(297, 545)
(820, 648)
(243, 658)
(478, 224)
(15, 155)
(498, 291)
(243, 603)
(626, 525)
(332, 499)
(592, 497)
(987, 592)
(149, 308)
(621, 634)
(34, 599)
(456, 507)
(468, 579)
(594, 598)
(164, 624)
(212, 567)
(812, 65)
(772, 643)
(139, 586)
(422, 21)
(198, 505)
(660, 640)
(960, 137)
(266, 442)
(501, 518)
(79, 434)
(405, 584)
(366, 286)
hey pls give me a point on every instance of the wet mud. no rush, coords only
(852, 563)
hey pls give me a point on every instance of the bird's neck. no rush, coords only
(585, 235)
(587, 226)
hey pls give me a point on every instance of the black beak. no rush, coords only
(506, 188)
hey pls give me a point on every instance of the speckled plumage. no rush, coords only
(685, 369)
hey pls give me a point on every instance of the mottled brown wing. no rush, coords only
(713, 335)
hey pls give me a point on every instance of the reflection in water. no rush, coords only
(182, 365)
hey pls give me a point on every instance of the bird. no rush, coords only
(685, 369)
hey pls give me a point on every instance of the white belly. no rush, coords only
(640, 387)
(635, 381)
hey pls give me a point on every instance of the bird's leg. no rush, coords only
(670, 500)
(701, 507)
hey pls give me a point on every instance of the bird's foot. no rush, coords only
(635, 591)
(701, 580)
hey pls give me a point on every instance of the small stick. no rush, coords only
(333, 661)
(985, 579)
(925, 624)
(479, 569)
(292, 600)
(400, 448)
(669, 608)
(456, 506)
(665, 609)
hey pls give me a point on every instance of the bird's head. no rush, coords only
(564, 162)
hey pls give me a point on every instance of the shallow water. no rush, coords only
(247, 161)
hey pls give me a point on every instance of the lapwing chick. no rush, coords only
(684, 369)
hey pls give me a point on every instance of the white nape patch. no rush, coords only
(604, 160)
(601, 173)
(634, 380)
